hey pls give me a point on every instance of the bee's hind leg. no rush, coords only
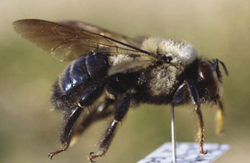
(87, 100)
(66, 137)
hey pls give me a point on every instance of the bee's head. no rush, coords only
(180, 53)
(210, 74)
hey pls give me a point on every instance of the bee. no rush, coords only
(110, 73)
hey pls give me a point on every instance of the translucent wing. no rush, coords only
(136, 41)
(66, 42)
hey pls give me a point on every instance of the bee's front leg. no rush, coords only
(189, 87)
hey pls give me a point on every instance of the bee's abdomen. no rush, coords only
(75, 74)
(77, 78)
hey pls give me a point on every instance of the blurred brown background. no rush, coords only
(28, 129)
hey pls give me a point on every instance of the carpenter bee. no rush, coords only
(110, 73)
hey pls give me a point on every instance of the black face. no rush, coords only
(110, 73)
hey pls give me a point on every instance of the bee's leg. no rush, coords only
(87, 99)
(193, 94)
(201, 134)
(220, 117)
(98, 113)
(196, 101)
(108, 135)
(68, 130)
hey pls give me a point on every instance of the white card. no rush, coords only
(186, 153)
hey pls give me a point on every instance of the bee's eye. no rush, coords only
(167, 59)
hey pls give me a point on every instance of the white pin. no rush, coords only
(173, 133)
(184, 152)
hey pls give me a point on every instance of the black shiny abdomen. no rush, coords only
(78, 77)
(75, 74)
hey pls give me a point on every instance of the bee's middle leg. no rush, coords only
(108, 135)
(101, 112)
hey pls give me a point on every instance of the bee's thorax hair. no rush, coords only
(181, 52)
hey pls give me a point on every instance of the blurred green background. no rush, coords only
(29, 130)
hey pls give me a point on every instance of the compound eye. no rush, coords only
(210, 78)
(167, 59)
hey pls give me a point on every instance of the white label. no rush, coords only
(186, 153)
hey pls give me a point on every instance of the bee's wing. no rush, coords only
(136, 41)
(136, 64)
(67, 42)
